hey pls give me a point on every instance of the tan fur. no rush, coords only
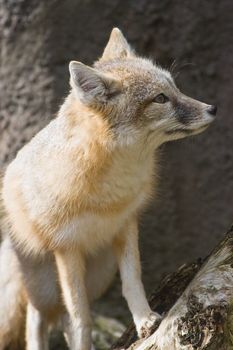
(74, 192)
(12, 298)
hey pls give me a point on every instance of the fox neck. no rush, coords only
(80, 121)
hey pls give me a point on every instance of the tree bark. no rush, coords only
(202, 317)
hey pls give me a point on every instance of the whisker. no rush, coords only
(175, 65)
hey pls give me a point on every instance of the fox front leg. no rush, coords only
(126, 248)
(71, 271)
(36, 330)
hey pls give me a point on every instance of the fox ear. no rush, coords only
(117, 46)
(92, 86)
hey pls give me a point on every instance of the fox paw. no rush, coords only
(148, 324)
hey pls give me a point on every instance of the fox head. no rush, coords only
(139, 99)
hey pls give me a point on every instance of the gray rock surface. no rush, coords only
(194, 202)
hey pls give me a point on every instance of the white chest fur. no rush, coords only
(46, 182)
(124, 182)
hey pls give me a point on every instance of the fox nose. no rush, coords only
(212, 110)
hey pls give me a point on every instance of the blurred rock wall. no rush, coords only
(194, 205)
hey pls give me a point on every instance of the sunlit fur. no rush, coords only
(74, 192)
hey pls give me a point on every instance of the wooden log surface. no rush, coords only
(197, 304)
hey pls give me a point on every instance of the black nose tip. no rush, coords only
(212, 109)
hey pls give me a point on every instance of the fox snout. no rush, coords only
(212, 109)
(190, 111)
(190, 117)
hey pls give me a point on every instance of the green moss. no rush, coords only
(105, 332)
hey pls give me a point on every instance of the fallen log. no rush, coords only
(202, 316)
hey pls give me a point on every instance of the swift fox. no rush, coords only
(73, 194)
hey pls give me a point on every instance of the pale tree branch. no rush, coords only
(202, 317)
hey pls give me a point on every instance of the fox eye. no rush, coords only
(161, 98)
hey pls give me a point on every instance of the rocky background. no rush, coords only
(195, 199)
